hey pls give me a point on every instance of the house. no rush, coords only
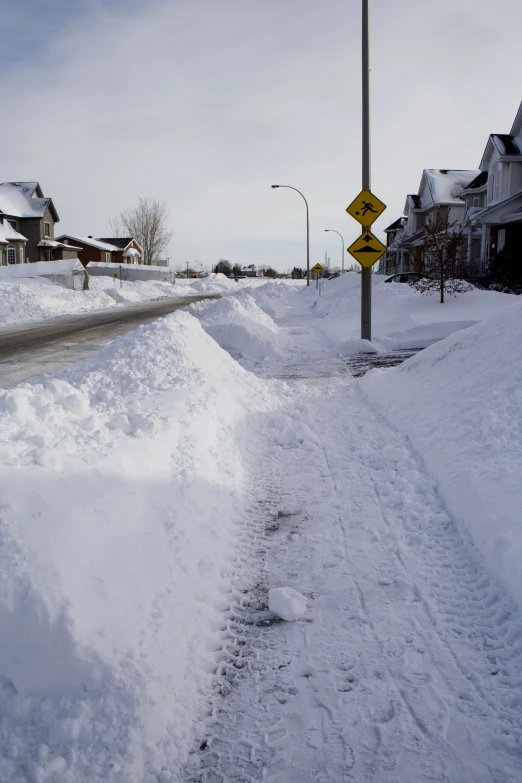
(389, 261)
(440, 196)
(109, 250)
(494, 200)
(249, 271)
(32, 216)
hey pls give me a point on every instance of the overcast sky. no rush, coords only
(206, 103)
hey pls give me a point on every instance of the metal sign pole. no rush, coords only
(366, 275)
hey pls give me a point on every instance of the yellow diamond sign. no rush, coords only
(367, 249)
(366, 208)
(317, 269)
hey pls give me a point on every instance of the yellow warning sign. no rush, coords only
(367, 249)
(317, 269)
(366, 208)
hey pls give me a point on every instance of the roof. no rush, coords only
(99, 244)
(397, 225)
(17, 199)
(8, 233)
(478, 182)
(55, 243)
(446, 185)
(119, 242)
(505, 144)
(416, 201)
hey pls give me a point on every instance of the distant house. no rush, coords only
(111, 250)
(249, 271)
(33, 216)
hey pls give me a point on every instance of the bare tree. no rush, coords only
(147, 222)
(444, 259)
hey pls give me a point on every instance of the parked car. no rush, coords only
(404, 277)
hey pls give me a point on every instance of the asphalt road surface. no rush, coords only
(29, 351)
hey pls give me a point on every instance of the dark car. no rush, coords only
(405, 277)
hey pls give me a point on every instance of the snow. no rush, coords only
(445, 186)
(459, 403)
(120, 527)
(89, 241)
(287, 603)
(167, 502)
(64, 266)
(8, 233)
(16, 201)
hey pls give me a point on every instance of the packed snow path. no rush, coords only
(408, 666)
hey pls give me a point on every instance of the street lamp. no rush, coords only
(307, 231)
(342, 249)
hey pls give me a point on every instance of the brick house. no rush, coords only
(33, 216)
(110, 250)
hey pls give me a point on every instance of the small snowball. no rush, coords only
(287, 603)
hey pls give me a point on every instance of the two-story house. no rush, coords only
(33, 216)
(439, 196)
(494, 199)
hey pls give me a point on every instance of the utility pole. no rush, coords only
(366, 275)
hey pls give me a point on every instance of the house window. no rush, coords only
(22, 259)
(476, 202)
(47, 229)
(498, 182)
(107, 258)
(501, 240)
(11, 254)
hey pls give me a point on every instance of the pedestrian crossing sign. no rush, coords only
(366, 208)
(367, 249)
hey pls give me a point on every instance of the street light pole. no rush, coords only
(366, 276)
(342, 248)
(307, 231)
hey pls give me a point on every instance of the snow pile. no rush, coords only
(36, 299)
(287, 603)
(460, 403)
(401, 318)
(273, 298)
(240, 326)
(121, 513)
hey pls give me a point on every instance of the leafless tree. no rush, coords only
(147, 222)
(444, 259)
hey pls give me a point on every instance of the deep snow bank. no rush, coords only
(240, 326)
(121, 508)
(460, 402)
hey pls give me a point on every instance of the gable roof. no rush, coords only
(397, 225)
(478, 182)
(505, 144)
(90, 241)
(17, 199)
(8, 233)
(120, 242)
(446, 185)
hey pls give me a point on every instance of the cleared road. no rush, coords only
(29, 351)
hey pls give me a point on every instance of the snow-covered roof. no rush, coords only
(90, 241)
(17, 200)
(8, 233)
(131, 252)
(120, 242)
(54, 243)
(446, 185)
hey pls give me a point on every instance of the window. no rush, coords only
(11, 254)
(498, 182)
(47, 229)
(22, 259)
(476, 202)
(501, 240)
(107, 258)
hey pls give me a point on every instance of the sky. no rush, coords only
(204, 104)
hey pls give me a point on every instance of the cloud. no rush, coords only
(205, 104)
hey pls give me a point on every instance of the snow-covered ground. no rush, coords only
(36, 299)
(155, 493)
